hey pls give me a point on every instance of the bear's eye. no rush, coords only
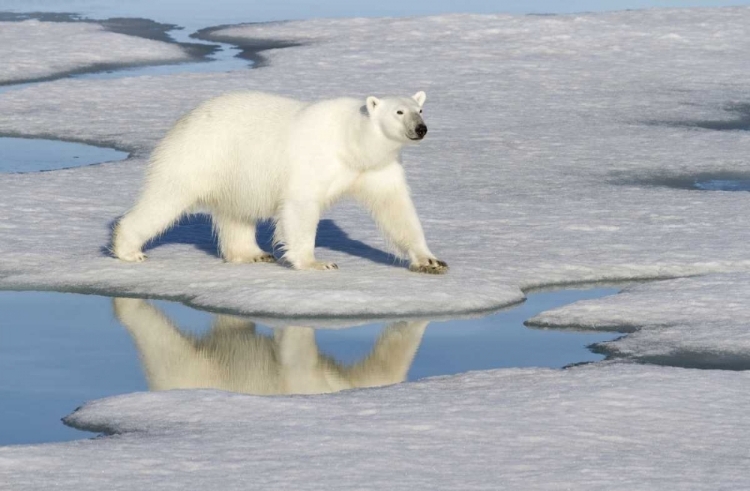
(420, 111)
(399, 112)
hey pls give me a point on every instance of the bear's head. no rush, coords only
(399, 118)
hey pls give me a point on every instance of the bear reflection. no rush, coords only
(233, 357)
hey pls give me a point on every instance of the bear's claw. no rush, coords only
(316, 266)
(132, 257)
(430, 266)
(258, 258)
(262, 258)
(265, 258)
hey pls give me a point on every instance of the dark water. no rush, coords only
(59, 350)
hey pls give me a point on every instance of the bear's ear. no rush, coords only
(420, 98)
(372, 103)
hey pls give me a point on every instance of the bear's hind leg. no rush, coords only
(237, 242)
(151, 216)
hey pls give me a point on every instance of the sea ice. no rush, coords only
(692, 322)
(544, 135)
(35, 50)
(542, 141)
(602, 427)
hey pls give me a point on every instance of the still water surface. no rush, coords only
(59, 350)
(35, 154)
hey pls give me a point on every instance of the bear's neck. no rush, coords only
(370, 148)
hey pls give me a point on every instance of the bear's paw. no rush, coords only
(429, 266)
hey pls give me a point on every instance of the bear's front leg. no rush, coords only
(299, 224)
(385, 193)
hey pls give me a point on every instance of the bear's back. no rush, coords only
(228, 145)
(246, 111)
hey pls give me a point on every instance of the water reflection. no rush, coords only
(59, 350)
(233, 356)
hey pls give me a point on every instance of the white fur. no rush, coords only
(232, 356)
(251, 156)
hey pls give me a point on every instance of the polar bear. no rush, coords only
(249, 156)
(233, 357)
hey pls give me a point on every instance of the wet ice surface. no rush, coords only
(36, 154)
(60, 350)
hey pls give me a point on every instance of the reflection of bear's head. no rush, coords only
(232, 356)
(399, 118)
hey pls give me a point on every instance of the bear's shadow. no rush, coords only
(198, 231)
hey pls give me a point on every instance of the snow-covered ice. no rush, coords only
(694, 322)
(34, 50)
(541, 129)
(545, 134)
(619, 427)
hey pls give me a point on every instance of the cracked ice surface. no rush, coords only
(693, 322)
(537, 125)
(33, 50)
(589, 428)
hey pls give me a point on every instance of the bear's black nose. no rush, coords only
(421, 130)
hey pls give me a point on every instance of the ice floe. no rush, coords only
(541, 136)
(610, 427)
(36, 50)
(546, 137)
(699, 322)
